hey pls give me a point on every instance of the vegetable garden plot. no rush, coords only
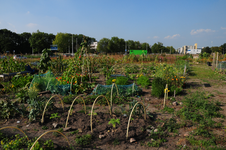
(123, 90)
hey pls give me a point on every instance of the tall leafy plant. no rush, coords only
(45, 60)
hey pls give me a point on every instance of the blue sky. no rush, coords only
(172, 22)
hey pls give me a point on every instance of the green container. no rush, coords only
(138, 52)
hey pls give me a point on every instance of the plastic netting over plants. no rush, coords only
(122, 90)
(222, 65)
(48, 82)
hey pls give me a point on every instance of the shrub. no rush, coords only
(158, 86)
(143, 81)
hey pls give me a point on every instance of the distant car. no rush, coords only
(19, 57)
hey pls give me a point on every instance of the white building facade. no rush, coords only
(93, 45)
(189, 49)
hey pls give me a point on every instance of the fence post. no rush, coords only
(217, 60)
(213, 59)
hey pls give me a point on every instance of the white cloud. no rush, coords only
(171, 37)
(223, 28)
(31, 25)
(193, 32)
(155, 37)
(28, 12)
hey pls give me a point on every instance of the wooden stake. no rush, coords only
(174, 93)
(217, 60)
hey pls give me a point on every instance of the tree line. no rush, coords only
(221, 49)
(115, 45)
(37, 41)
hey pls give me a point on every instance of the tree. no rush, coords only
(146, 46)
(24, 43)
(9, 41)
(62, 40)
(40, 40)
(103, 45)
(223, 48)
(207, 50)
(171, 49)
(216, 49)
(137, 45)
(130, 44)
(116, 45)
(156, 48)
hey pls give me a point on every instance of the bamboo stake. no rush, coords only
(131, 115)
(71, 107)
(49, 132)
(14, 128)
(165, 95)
(112, 92)
(47, 104)
(93, 107)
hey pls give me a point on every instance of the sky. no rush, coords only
(173, 22)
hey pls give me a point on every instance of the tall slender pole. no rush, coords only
(76, 43)
(217, 60)
(72, 46)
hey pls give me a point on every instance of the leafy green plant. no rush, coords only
(83, 140)
(114, 122)
(132, 69)
(202, 142)
(168, 109)
(74, 132)
(158, 86)
(8, 108)
(143, 81)
(45, 60)
(44, 127)
(36, 107)
(68, 99)
(138, 110)
(54, 115)
(19, 143)
(19, 81)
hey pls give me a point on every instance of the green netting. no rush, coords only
(222, 65)
(48, 81)
(122, 90)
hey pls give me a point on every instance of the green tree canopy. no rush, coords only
(207, 50)
(103, 45)
(170, 49)
(24, 43)
(9, 41)
(146, 46)
(63, 41)
(40, 40)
